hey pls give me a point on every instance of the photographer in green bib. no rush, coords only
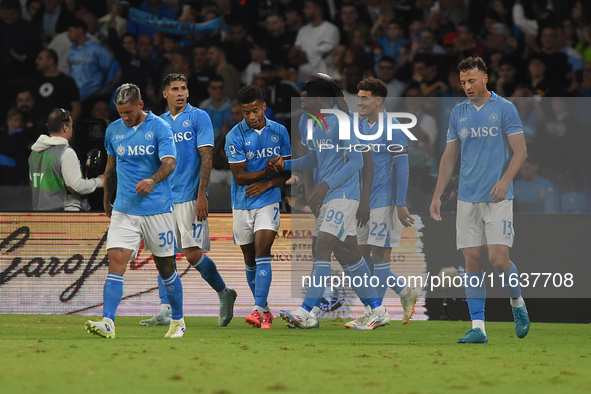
(54, 170)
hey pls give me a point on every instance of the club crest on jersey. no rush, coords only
(120, 150)
(464, 133)
(149, 135)
(274, 138)
(187, 123)
(493, 117)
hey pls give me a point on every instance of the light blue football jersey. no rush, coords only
(138, 154)
(382, 151)
(191, 130)
(331, 155)
(484, 147)
(244, 144)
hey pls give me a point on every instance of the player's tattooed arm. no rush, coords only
(202, 206)
(145, 186)
(110, 184)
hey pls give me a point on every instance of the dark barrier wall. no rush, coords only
(556, 244)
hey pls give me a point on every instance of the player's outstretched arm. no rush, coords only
(145, 186)
(517, 143)
(202, 205)
(446, 169)
(109, 184)
(254, 189)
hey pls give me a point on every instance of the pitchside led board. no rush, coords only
(56, 263)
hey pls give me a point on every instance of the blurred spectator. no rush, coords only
(133, 55)
(154, 7)
(89, 62)
(350, 77)
(57, 185)
(280, 93)
(563, 44)
(25, 104)
(584, 46)
(260, 83)
(467, 43)
(314, 43)
(101, 110)
(236, 45)
(348, 21)
(105, 22)
(529, 112)
(54, 18)
(280, 40)
(200, 75)
(498, 39)
(539, 84)
(53, 88)
(32, 7)
(216, 58)
(217, 105)
(294, 18)
(507, 79)
(535, 194)
(581, 16)
(563, 141)
(15, 142)
(389, 35)
(555, 59)
(387, 73)
(258, 53)
(220, 172)
(61, 45)
(19, 45)
(529, 15)
(426, 78)
(353, 55)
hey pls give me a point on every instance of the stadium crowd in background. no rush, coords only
(534, 48)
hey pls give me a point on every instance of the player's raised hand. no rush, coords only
(145, 186)
(201, 207)
(499, 191)
(404, 216)
(435, 209)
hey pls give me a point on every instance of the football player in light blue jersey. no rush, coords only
(486, 129)
(142, 155)
(334, 200)
(256, 194)
(384, 229)
(193, 138)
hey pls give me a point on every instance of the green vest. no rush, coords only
(47, 182)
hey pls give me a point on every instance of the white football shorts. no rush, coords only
(248, 221)
(189, 231)
(338, 217)
(485, 223)
(383, 228)
(126, 231)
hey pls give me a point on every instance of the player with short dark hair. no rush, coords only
(388, 212)
(256, 194)
(486, 129)
(141, 156)
(193, 138)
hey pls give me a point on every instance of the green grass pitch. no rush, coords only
(54, 354)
